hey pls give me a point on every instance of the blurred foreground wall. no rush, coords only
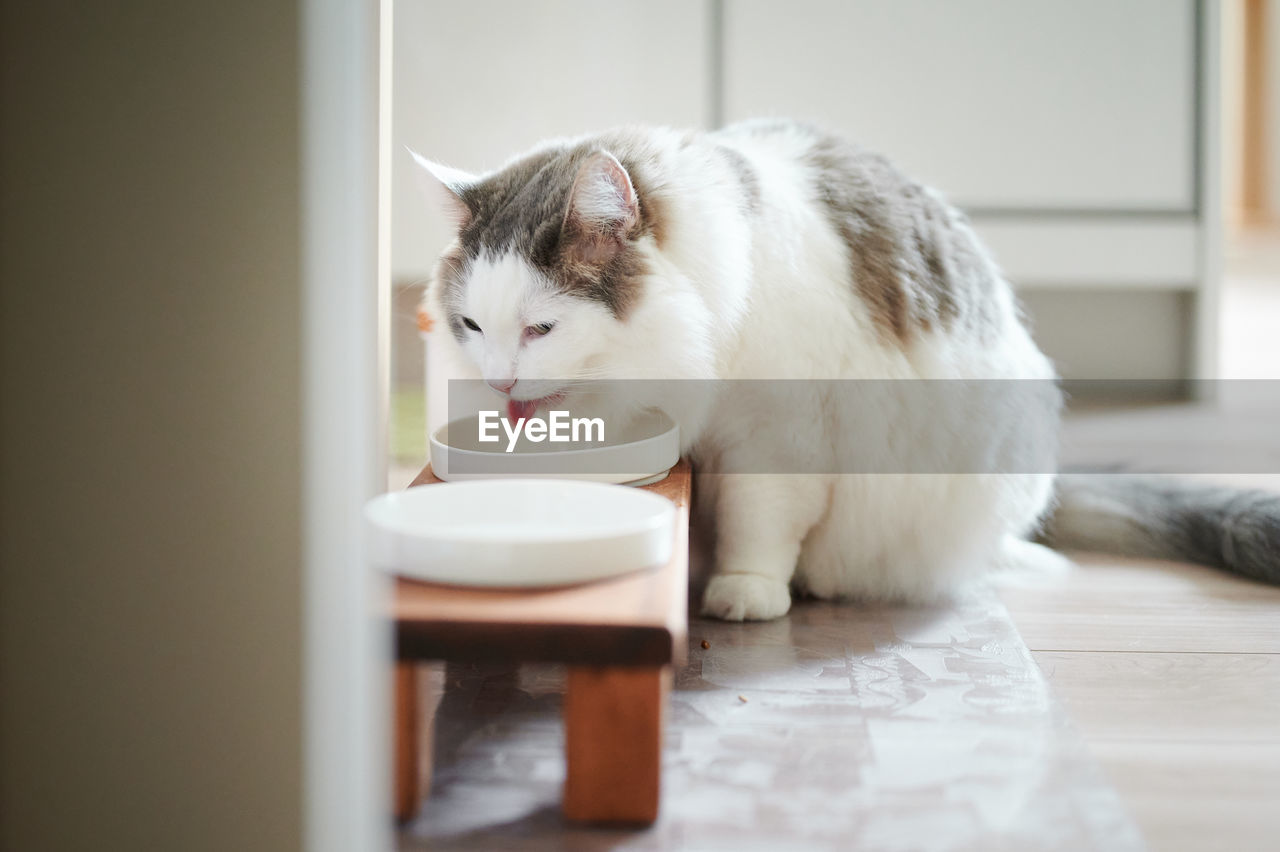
(149, 653)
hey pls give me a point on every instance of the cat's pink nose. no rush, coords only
(501, 385)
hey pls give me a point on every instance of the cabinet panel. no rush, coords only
(1111, 333)
(999, 103)
(476, 82)
(1128, 252)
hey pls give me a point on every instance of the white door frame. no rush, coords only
(344, 118)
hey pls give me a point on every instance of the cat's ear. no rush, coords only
(603, 209)
(444, 187)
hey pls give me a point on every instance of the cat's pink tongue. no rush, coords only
(518, 408)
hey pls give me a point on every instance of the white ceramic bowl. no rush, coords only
(519, 532)
(642, 452)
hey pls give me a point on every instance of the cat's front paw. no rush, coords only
(745, 597)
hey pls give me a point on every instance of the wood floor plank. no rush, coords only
(1114, 604)
(1172, 674)
(1195, 796)
(1175, 697)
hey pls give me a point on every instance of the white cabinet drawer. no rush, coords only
(1130, 252)
(1040, 104)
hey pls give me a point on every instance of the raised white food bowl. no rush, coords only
(519, 532)
(641, 452)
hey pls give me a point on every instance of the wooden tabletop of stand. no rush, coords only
(633, 619)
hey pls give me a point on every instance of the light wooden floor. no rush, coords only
(1172, 674)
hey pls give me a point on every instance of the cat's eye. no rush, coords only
(539, 329)
(470, 323)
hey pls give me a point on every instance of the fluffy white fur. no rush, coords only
(713, 308)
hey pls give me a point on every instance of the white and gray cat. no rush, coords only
(771, 250)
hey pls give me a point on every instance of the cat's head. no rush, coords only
(549, 280)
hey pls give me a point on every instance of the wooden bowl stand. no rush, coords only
(619, 638)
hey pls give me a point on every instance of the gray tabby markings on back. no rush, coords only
(913, 261)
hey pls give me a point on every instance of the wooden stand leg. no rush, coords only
(418, 690)
(404, 757)
(613, 743)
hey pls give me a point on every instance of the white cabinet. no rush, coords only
(1039, 104)
(1080, 135)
